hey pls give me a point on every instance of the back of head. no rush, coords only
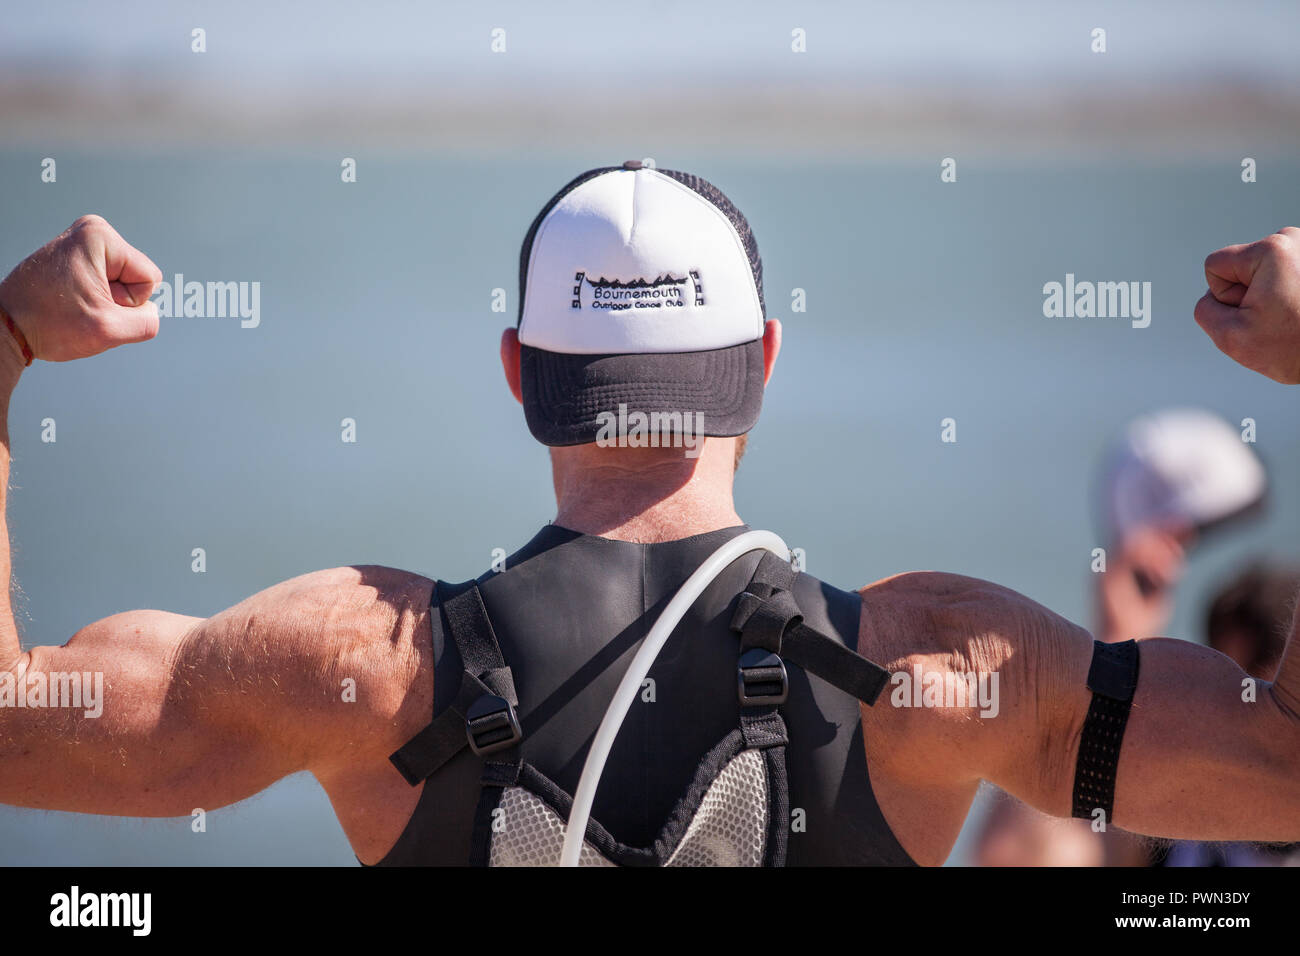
(1179, 467)
(641, 314)
(1250, 616)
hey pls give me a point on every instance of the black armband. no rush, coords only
(1112, 678)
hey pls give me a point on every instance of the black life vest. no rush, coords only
(736, 809)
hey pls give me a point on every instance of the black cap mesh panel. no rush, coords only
(701, 186)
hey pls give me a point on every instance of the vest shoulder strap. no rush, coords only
(767, 617)
(482, 714)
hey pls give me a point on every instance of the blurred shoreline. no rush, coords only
(1170, 119)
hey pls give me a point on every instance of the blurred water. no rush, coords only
(924, 301)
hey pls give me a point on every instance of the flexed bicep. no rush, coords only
(1160, 737)
(179, 712)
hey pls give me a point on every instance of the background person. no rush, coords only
(1167, 480)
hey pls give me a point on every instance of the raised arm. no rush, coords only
(80, 294)
(327, 672)
(1207, 752)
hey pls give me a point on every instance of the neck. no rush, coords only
(645, 495)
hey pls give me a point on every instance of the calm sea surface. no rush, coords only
(924, 302)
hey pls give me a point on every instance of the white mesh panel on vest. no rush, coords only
(729, 828)
(532, 834)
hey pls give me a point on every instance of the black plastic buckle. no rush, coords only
(491, 725)
(761, 678)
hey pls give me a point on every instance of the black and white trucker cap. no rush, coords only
(640, 287)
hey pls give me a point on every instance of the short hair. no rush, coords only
(1257, 603)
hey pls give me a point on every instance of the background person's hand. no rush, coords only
(1136, 591)
(1252, 311)
(82, 293)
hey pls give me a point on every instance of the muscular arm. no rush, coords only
(1200, 759)
(202, 713)
(1197, 761)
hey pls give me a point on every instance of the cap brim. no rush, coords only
(564, 394)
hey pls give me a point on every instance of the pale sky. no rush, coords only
(401, 41)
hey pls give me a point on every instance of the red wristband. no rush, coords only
(17, 333)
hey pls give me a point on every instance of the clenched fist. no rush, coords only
(82, 293)
(1252, 311)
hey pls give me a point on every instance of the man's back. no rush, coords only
(570, 611)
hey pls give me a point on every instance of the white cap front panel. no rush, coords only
(632, 262)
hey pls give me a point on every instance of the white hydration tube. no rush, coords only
(585, 795)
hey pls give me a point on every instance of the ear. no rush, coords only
(510, 363)
(771, 347)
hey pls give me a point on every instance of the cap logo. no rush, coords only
(664, 291)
